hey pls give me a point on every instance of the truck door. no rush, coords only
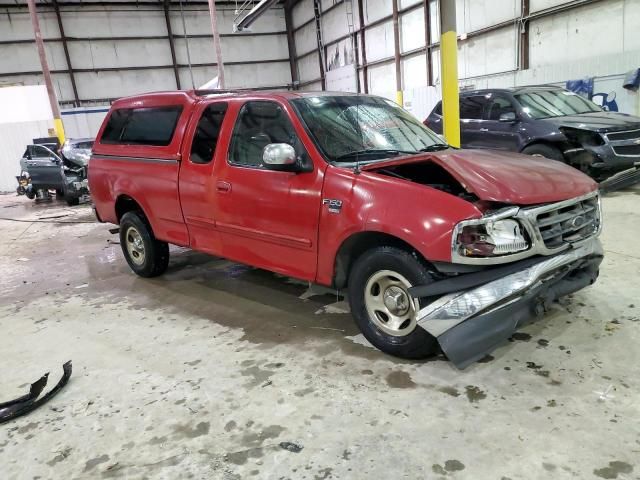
(268, 218)
(197, 182)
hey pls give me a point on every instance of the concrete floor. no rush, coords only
(217, 370)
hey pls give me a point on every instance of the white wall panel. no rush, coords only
(302, 12)
(334, 23)
(402, 4)
(412, 30)
(478, 15)
(306, 39)
(309, 68)
(382, 80)
(487, 54)
(379, 41)
(414, 71)
(128, 53)
(577, 34)
(23, 57)
(234, 49)
(375, 10)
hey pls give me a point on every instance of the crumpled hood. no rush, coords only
(505, 177)
(597, 121)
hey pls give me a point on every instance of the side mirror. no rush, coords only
(280, 156)
(508, 117)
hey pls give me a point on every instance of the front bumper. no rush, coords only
(468, 324)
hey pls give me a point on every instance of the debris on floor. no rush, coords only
(29, 402)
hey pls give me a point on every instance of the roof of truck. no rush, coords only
(181, 97)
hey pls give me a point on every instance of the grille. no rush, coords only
(628, 135)
(626, 150)
(569, 223)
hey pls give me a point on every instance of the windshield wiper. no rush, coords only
(373, 152)
(435, 147)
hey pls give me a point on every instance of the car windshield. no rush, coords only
(349, 128)
(554, 103)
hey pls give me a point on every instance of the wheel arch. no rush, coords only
(126, 203)
(357, 244)
(548, 143)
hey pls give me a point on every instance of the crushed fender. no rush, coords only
(30, 401)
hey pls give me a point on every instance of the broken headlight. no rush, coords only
(491, 238)
(581, 137)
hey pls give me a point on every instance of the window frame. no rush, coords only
(194, 133)
(236, 123)
(178, 108)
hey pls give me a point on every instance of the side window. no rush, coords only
(498, 106)
(438, 109)
(471, 108)
(142, 126)
(260, 123)
(206, 136)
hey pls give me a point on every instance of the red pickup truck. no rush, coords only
(435, 246)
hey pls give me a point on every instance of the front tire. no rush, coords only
(382, 308)
(542, 150)
(146, 256)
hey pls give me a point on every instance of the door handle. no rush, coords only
(484, 129)
(223, 187)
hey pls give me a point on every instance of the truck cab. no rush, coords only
(352, 192)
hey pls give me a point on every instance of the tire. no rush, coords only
(72, 201)
(59, 193)
(542, 150)
(146, 256)
(375, 271)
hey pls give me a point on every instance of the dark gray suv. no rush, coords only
(548, 121)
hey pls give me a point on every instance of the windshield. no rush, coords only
(352, 128)
(554, 103)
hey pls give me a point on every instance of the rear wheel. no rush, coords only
(145, 255)
(381, 305)
(542, 150)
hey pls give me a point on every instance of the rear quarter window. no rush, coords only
(141, 126)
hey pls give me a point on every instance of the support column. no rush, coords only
(216, 42)
(449, 72)
(53, 101)
(524, 36)
(172, 47)
(363, 43)
(317, 11)
(396, 52)
(72, 77)
(291, 44)
(427, 41)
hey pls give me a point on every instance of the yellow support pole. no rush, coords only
(449, 72)
(53, 101)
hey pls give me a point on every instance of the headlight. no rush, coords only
(582, 137)
(493, 238)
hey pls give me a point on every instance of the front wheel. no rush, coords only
(145, 255)
(381, 305)
(542, 150)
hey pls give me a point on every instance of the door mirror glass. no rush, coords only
(278, 156)
(508, 117)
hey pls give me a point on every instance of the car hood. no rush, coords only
(597, 121)
(505, 177)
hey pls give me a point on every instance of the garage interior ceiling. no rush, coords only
(102, 50)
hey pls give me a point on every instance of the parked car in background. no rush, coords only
(45, 167)
(436, 247)
(548, 121)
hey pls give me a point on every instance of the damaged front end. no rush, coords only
(612, 158)
(517, 261)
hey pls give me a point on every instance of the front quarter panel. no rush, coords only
(419, 215)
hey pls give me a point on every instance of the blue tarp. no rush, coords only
(583, 87)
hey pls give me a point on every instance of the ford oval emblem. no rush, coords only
(577, 222)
